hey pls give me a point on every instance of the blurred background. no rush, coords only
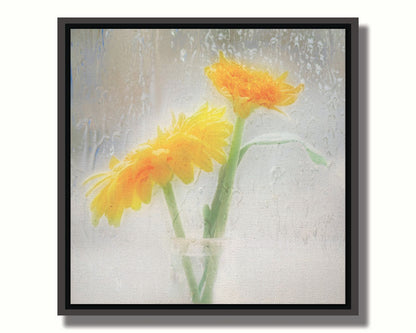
(285, 235)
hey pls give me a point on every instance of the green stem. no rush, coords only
(180, 233)
(211, 276)
(190, 276)
(221, 202)
(215, 218)
(204, 276)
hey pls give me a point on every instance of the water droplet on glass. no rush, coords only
(183, 55)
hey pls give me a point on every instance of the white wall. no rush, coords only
(28, 167)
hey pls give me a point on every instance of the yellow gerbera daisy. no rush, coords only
(249, 88)
(190, 142)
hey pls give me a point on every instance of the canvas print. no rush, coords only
(207, 166)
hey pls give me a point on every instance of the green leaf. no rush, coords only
(281, 138)
(206, 211)
(316, 158)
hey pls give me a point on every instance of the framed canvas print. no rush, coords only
(208, 166)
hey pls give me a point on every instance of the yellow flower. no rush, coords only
(250, 88)
(188, 143)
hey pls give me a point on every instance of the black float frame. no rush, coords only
(351, 223)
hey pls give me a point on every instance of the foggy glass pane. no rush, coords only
(285, 235)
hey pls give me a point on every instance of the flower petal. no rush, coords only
(250, 88)
(193, 141)
(136, 202)
(113, 162)
(183, 169)
(144, 190)
(96, 185)
(114, 214)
